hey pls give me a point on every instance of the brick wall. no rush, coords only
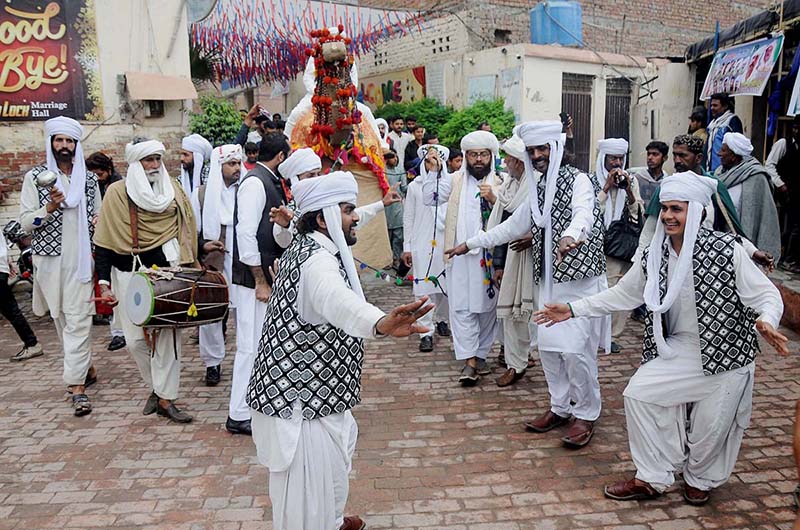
(20, 150)
(646, 28)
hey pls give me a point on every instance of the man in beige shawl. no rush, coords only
(167, 237)
(513, 267)
(472, 295)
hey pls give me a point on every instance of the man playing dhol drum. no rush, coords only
(146, 220)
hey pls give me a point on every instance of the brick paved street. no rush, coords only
(430, 454)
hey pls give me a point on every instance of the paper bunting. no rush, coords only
(265, 41)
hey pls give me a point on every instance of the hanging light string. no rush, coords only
(398, 280)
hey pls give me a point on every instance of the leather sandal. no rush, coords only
(81, 404)
(630, 490)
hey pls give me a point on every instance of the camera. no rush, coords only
(622, 180)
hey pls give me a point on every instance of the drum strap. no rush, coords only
(134, 215)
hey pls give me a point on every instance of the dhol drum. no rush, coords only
(176, 297)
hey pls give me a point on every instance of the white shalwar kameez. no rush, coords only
(427, 259)
(309, 460)
(56, 288)
(472, 313)
(212, 339)
(663, 394)
(568, 350)
(250, 311)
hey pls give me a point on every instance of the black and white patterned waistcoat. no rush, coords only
(46, 238)
(319, 365)
(586, 262)
(728, 339)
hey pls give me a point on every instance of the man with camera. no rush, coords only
(619, 197)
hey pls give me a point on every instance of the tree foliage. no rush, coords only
(467, 120)
(218, 122)
(429, 112)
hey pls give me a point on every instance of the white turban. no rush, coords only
(515, 147)
(155, 197)
(611, 146)
(202, 152)
(536, 133)
(477, 140)
(76, 197)
(697, 191)
(442, 152)
(218, 208)
(301, 161)
(738, 143)
(325, 193)
(381, 121)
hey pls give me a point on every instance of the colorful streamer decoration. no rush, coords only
(265, 41)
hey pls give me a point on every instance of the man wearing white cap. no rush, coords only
(213, 204)
(60, 220)
(568, 263)
(689, 403)
(748, 184)
(620, 196)
(470, 195)
(513, 267)
(423, 229)
(195, 153)
(307, 373)
(147, 220)
(302, 164)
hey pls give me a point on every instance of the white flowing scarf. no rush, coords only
(611, 146)
(76, 197)
(201, 151)
(697, 191)
(537, 133)
(325, 193)
(155, 197)
(217, 208)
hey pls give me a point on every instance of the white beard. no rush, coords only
(152, 176)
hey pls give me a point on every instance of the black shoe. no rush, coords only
(442, 329)
(151, 404)
(469, 376)
(426, 343)
(238, 427)
(173, 413)
(213, 374)
(117, 343)
(615, 348)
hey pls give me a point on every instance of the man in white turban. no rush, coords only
(568, 263)
(300, 165)
(60, 219)
(689, 403)
(307, 374)
(423, 252)
(748, 184)
(513, 267)
(165, 235)
(470, 195)
(213, 204)
(619, 196)
(195, 154)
